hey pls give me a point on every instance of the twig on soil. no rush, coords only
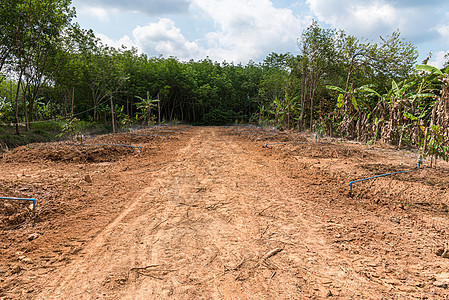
(145, 271)
(269, 265)
(154, 277)
(271, 253)
(158, 224)
(215, 205)
(260, 213)
(218, 289)
(190, 205)
(236, 268)
(144, 268)
(262, 234)
(211, 260)
(239, 265)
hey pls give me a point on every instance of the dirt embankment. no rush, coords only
(217, 213)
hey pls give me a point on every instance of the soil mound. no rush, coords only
(68, 152)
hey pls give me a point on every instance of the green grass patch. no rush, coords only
(40, 132)
(43, 132)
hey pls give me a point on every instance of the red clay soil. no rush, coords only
(215, 213)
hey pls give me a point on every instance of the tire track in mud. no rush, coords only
(204, 228)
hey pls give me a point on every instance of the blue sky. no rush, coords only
(241, 30)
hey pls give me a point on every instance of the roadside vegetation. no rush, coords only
(52, 72)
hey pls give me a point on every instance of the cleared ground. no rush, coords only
(214, 213)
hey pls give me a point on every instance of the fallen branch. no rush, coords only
(158, 224)
(211, 260)
(190, 205)
(260, 213)
(144, 268)
(216, 205)
(271, 253)
(147, 271)
(262, 234)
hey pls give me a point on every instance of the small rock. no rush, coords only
(88, 179)
(27, 260)
(442, 283)
(442, 280)
(16, 269)
(395, 220)
(33, 236)
(442, 251)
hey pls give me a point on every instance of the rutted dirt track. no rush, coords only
(212, 214)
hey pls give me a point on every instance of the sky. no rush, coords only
(242, 30)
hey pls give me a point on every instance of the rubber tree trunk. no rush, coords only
(112, 116)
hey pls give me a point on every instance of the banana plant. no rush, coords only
(430, 82)
(278, 112)
(146, 106)
(363, 89)
(434, 145)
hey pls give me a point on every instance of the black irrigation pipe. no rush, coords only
(23, 199)
(359, 180)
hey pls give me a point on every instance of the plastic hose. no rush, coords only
(350, 184)
(23, 199)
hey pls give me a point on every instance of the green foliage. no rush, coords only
(6, 110)
(220, 117)
(9, 139)
(430, 69)
(47, 126)
(434, 144)
(354, 103)
(43, 111)
(69, 128)
(146, 106)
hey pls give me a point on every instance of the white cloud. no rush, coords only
(239, 30)
(248, 29)
(242, 30)
(124, 41)
(363, 17)
(438, 59)
(165, 38)
(422, 22)
(99, 13)
(372, 18)
(158, 38)
(443, 30)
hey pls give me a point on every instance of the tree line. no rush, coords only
(334, 83)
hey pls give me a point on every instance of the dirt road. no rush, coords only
(214, 215)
